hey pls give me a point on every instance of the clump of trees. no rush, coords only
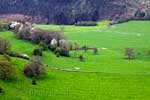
(35, 68)
(37, 35)
(7, 71)
(46, 39)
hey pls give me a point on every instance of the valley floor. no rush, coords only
(113, 76)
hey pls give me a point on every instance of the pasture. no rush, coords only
(106, 76)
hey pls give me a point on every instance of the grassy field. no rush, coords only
(113, 77)
(116, 38)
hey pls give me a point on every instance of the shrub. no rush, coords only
(71, 45)
(129, 53)
(58, 55)
(76, 46)
(85, 48)
(37, 35)
(7, 57)
(35, 68)
(34, 81)
(86, 23)
(24, 33)
(6, 70)
(95, 50)
(17, 27)
(63, 44)
(57, 51)
(43, 46)
(1, 89)
(37, 52)
(81, 58)
(4, 46)
(4, 25)
(1, 27)
(148, 53)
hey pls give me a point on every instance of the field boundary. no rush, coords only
(86, 71)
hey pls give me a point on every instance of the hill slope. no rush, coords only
(108, 85)
(70, 11)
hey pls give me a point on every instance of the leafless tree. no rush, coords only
(129, 53)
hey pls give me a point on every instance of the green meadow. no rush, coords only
(106, 76)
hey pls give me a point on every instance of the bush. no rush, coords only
(17, 27)
(81, 58)
(57, 51)
(34, 81)
(43, 46)
(7, 57)
(37, 35)
(6, 70)
(1, 27)
(58, 55)
(1, 89)
(86, 23)
(24, 34)
(95, 50)
(63, 44)
(37, 52)
(4, 46)
(35, 68)
(4, 25)
(85, 48)
(148, 53)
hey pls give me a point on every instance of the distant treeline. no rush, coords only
(65, 11)
(59, 11)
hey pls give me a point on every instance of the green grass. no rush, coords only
(115, 78)
(132, 34)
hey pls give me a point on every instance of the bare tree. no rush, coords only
(129, 53)
(4, 46)
(95, 50)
